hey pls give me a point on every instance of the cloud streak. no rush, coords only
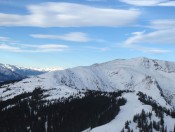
(101, 49)
(146, 49)
(155, 37)
(163, 24)
(57, 14)
(3, 39)
(9, 48)
(73, 36)
(163, 34)
(21, 48)
(150, 2)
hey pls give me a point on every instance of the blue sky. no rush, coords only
(60, 33)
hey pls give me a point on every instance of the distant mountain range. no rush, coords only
(11, 72)
(147, 85)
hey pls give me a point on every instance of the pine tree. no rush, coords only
(162, 121)
(139, 123)
(135, 118)
(150, 126)
(126, 125)
(150, 114)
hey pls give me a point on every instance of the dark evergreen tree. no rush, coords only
(126, 125)
(30, 112)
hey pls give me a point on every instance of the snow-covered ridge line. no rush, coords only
(13, 67)
(11, 72)
(139, 74)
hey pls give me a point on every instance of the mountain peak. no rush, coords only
(141, 58)
(11, 72)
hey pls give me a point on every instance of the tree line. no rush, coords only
(29, 112)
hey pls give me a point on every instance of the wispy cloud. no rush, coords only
(150, 2)
(73, 36)
(156, 37)
(34, 49)
(146, 49)
(9, 48)
(2, 39)
(162, 24)
(101, 49)
(163, 34)
(96, 0)
(57, 14)
(8, 45)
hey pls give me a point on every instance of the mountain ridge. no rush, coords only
(12, 72)
(112, 75)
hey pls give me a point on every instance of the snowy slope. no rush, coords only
(132, 107)
(154, 78)
(139, 74)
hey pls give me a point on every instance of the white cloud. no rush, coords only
(101, 49)
(150, 2)
(96, 0)
(3, 39)
(163, 24)
(168, 3)
(146, 49)
(73, 36)
(10, 45)
(7, 44)
(55, 14)
(33, 48)
(165, 36)
(51, 46)
(44, 48)
(9, 48)
(156, 51)
(156, 37)
(137, 36)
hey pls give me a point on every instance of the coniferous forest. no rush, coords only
(29, 112)
(145, 120)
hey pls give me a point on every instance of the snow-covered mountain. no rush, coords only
(153, 78)
(6, 74)
(11, 72)
(26, 71)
